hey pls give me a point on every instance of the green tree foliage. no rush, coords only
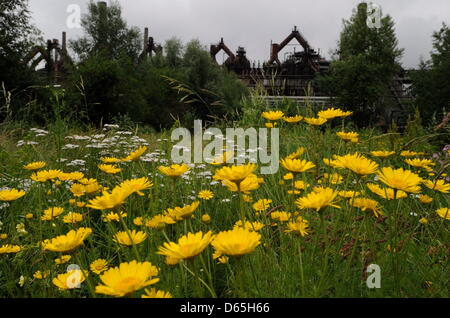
(17, 36)
(107, 33)
(111, 78)
(431, 83)
(186, 84)
(367, 60)
(102, 83)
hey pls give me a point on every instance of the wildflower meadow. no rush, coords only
(107, 213)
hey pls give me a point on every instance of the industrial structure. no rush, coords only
(293, 77)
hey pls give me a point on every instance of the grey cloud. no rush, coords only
(253, 24)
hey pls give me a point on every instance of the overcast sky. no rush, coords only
(254, 23)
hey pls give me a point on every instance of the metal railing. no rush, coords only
(298, 99)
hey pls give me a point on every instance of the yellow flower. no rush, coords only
(382, 153)
(251, 226)
(21, 228)
(296, 165)
(300, 151)
(70, 176)
(273, 115)
(73, 217)
(35, 165)
(174, 171)
(188, 246)
(247, 198)
(420, 163)
(425, 198)
(127, 278)
(154, 293)
(206, 218)
(29, 216)
(222, 159)
(300, 227)
(159, 221)
(386, 193)
(270, 125)
(136, 185)
(45, 175)
(315, 121)
(235, 173)
(236, 242)
(110, 160)
(400, 179)
(221, 259)
(438, 185)
(170, 261)
(81, 204)
(262, 205)
(181, 213)
(250, 183)
(206, 194)
(52, 213)
(281, 216)
(331, 113)
(4, 249)
(11, 195)
(134, 155)
(41, 275)
(70, 280)
(301, 185)
(62, 259)
(130, 238)
(98, 266)
(91, 185)
(367, 204)
(358, 163)
(139, 221)
(348, 136)
(109, 200)
(288, 176)
(335, 163)
(3, 236)
(407, 153)
(318, 200)
(68, 242)
(444, 213)
(111, 169)
(334, 178)
(86, 181)
(423, 221)
(293, 119)
(78, 189)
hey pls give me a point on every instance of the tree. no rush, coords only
(431, 83)
(173, 49)
(108, 54)
(107, 33)
(367, 61)
(17, 36)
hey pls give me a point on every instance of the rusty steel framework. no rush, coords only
(150, 46)
(291, 77)
(56, 58)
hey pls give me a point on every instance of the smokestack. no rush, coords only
(145, 39)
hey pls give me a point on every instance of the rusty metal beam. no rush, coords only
(215, 48)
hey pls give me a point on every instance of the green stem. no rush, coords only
(212, 292)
